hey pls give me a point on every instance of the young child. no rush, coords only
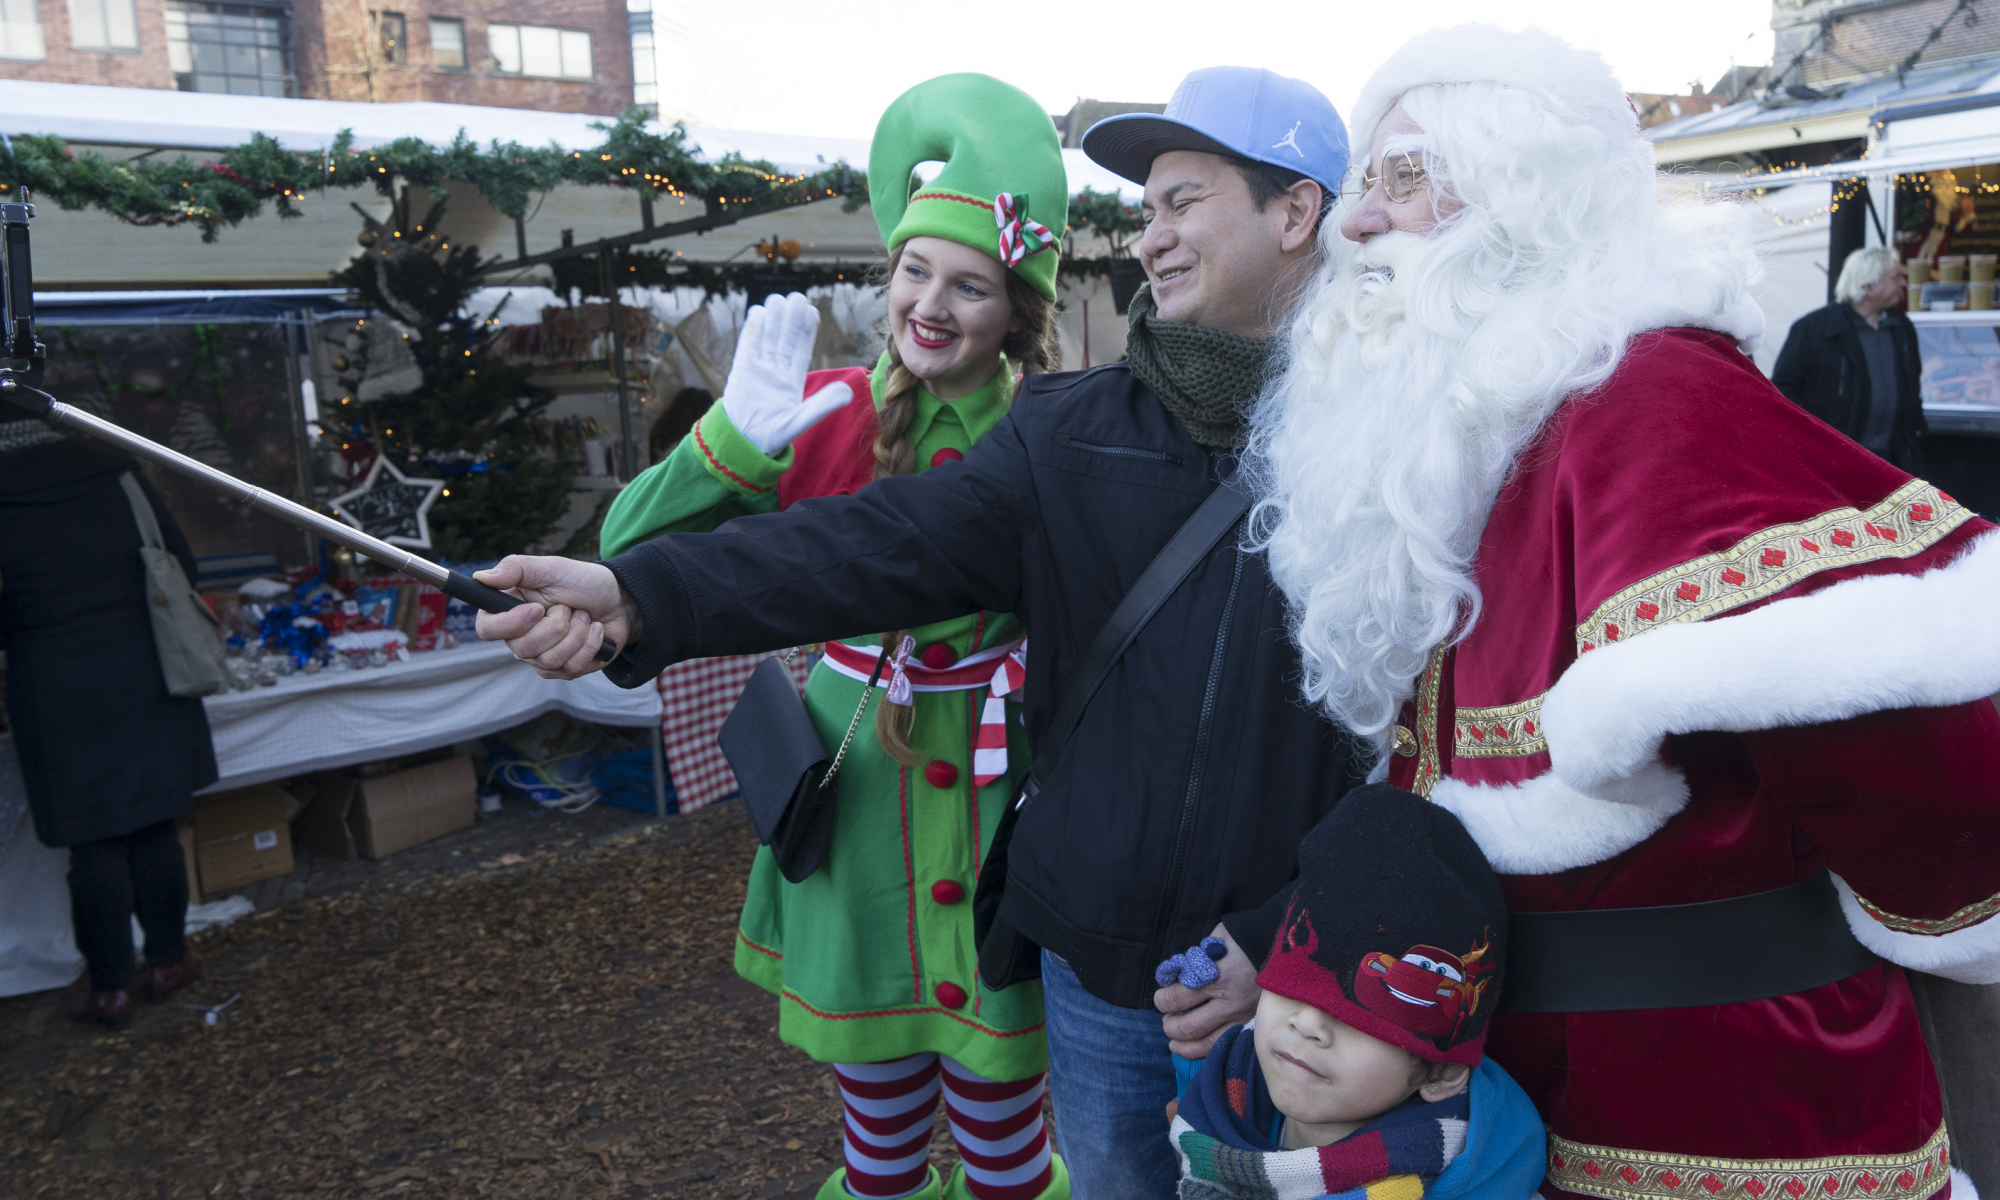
(1361, 1077)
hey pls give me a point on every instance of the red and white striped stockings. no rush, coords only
(890, 1108)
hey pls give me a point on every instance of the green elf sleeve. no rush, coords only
(714, 475)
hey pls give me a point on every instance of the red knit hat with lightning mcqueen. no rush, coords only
(1398, 927)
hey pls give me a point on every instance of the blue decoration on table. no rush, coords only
(295, 630)
(378, 605)
(1193, 968)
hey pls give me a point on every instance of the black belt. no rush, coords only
(1681, 955)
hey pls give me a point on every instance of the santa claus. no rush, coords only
(1690, 665)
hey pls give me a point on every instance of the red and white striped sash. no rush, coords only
(1001, 670)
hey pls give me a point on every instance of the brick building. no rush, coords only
(554, 55)
(1820, 42)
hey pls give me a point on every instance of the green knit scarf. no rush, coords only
(1207, 378)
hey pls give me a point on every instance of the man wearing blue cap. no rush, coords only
(1176, 807)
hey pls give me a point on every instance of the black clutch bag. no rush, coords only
(782, 767)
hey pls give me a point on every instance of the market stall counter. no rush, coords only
(338, 717)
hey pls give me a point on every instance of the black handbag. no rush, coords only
(1006, 956)
(788, 783)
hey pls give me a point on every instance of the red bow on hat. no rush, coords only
(1016, 229)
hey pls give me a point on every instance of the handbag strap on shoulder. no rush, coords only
(142, 511)
(1190, 544)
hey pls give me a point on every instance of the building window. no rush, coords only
(645, 77)
(21, 30)
(103, 25)
(392, 35)
(238, 49)
(539, 50)
(447, 44)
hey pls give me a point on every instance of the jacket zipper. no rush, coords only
(1121, 451)
(1184, 837)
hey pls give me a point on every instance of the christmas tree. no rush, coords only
(473, 418)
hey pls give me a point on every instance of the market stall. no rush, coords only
(1929, 187)
(340, 717)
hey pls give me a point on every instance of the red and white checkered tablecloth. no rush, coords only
(695, 698)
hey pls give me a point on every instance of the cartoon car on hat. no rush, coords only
(1427, 991)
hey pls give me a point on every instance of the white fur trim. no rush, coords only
(1969, 955)
(1865, 645)
(1578, 81)
(1742, 318)
(1543, 826)
(1961, 1186)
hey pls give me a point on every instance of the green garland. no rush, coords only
(241, 181)
(236, 187)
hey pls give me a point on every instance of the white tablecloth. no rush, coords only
(340, 717)
(37, 949)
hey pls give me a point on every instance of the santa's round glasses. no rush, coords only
(1399, 180)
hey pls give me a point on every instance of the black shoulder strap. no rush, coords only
(1190, 544)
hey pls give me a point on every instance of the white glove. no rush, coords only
(764, 397)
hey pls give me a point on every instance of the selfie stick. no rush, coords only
(17, 386)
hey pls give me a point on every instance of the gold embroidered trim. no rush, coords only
(1971, 914)
(1503, 731)
(1427, 724)
(1646, 1175)
(1913, 518)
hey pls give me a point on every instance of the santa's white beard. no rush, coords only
(1378, 455)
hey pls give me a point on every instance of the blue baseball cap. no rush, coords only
(1243, 112)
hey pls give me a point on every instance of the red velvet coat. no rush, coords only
(1723, 649)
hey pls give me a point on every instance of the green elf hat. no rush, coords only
(1001, 159)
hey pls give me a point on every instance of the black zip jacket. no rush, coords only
(1183, 794)
(1823, 370)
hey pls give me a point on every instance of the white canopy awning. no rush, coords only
(146, 117)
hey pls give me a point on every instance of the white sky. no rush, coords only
(814, 67)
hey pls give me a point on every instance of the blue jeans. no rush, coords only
(1111, 1076)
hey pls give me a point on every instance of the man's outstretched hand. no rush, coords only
(573, 608)
(1195, 1018)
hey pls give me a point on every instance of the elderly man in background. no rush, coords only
(1855, 365)
(1706, 681)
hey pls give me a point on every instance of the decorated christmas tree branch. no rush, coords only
(244, 179)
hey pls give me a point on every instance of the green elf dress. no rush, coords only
(873, 957)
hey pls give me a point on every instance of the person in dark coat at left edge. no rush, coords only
(1855, 364)
(110, 759)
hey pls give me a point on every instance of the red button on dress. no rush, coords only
(940, 774)
(946, 891)
(951, 995)
(946, 455)
(937, 656)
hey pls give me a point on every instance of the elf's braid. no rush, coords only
(1035, 346)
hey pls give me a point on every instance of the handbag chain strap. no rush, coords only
(867, 694)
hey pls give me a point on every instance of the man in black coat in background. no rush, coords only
(1855, 365)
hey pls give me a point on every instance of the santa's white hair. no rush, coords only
(1419, 368)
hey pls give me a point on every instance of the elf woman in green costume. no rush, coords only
(872, 956)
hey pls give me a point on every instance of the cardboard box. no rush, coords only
(244, 836)
(374, 818)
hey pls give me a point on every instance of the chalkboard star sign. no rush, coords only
(391, 506)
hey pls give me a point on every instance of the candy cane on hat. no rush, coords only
(989, 752)
(1013, 227)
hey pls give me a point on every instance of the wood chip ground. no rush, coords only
(542, 1007)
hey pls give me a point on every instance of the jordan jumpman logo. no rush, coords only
(1291, 139)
